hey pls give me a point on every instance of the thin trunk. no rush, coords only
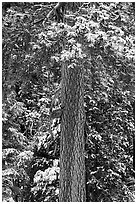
(72, 161)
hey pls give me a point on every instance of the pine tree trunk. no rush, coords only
(72, 162)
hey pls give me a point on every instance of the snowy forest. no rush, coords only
(68, 101)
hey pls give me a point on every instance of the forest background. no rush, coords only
(101, 36)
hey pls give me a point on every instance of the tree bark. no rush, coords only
(72, 161)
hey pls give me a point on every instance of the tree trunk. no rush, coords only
(72, 161)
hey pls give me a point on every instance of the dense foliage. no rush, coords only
(99, 36)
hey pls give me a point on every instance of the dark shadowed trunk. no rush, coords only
(72, 162)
